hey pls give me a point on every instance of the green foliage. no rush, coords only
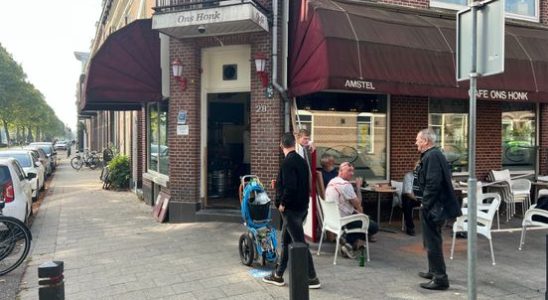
(119, 172)
(22, 106)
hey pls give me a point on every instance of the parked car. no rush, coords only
(30, 164)
(60, 145)
(15, 189)
(43, 157)
(48, 148)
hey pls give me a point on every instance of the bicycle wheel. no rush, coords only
(15, 241)
(93, 162)
(76, 163)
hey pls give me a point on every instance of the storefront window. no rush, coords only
(519, 9)
(449, 120)
(518, 136)
(350, 127)
(158, 156)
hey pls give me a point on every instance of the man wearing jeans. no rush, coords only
(292, 191)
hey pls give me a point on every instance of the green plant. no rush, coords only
(119, 171)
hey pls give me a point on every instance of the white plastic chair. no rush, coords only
(528, 222)
(542, 192)
(333, 222)
(483, 204)
(520, 190)
(484, 223)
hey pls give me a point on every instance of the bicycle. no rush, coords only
(89, 159)
(15, 239)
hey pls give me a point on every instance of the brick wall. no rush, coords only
(544, 11)
(408, 115)
(184, 150)
(488, 138)
(543, 143)
(266, 127)
(141, 136)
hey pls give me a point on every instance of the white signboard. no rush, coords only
(182, 129)
(489, 37)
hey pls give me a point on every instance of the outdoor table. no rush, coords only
(379, 190)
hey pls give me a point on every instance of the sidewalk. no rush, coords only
(113, 249)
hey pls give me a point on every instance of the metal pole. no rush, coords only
(546, 292)
(472, 182)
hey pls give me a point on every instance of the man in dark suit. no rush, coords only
(292, 192)
(435, 190)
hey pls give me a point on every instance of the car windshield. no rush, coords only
(22, 158)
(46, 148)
(4, 175)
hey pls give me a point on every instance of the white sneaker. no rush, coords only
(347, 251)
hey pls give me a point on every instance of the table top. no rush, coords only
(381, 189)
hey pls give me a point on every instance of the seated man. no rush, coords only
(340, 189)
(329, 171)
(408, 202)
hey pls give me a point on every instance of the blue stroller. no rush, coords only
(260, 239)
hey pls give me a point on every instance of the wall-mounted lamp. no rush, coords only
(177, 69)
(260, 66)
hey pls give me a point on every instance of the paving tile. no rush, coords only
(113, 249)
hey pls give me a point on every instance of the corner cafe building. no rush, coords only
(367, 77)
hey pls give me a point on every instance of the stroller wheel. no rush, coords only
(247, 249)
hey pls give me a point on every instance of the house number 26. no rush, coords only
(260, 108)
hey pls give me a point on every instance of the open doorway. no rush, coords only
(228, 155)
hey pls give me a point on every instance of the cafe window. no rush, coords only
(158, 154)
(449, 120)
(516, 9)
(518, 136)
(350, 127)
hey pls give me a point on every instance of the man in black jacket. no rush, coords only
(292, 192)
(435, 190)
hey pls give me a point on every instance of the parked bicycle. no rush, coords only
(15, 239)
(88, 159)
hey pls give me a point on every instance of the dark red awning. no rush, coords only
(125, 71)
(349, 46)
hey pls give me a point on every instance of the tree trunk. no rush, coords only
(18, 134)
(29, 137)
(7, 132)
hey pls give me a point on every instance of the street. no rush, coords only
(113, 249)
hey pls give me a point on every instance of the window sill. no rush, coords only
(157, 178)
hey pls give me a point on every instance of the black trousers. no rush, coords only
(292, 231)
(407, 206)
(433, 243)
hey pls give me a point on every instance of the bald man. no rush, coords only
(340, 190)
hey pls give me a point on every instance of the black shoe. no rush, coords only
(426, 275)
(274, 279)
(435, 285)
(410, 231)
(314, 283)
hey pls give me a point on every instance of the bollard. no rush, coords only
(298, 271)
(50, 281)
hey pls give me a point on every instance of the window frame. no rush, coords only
(451, 6)
(158, 106)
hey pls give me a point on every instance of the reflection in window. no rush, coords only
(350, 127)
(158, 155)
(521, 9)
(526, 8)
(518, 136)
(449, 120)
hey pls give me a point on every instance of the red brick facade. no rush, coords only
(543, 140)
(408, 115)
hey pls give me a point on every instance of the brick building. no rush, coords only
(363, 76)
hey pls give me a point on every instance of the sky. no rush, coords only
(42, 36)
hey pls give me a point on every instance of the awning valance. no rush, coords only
(125, 71)
(349, 46)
